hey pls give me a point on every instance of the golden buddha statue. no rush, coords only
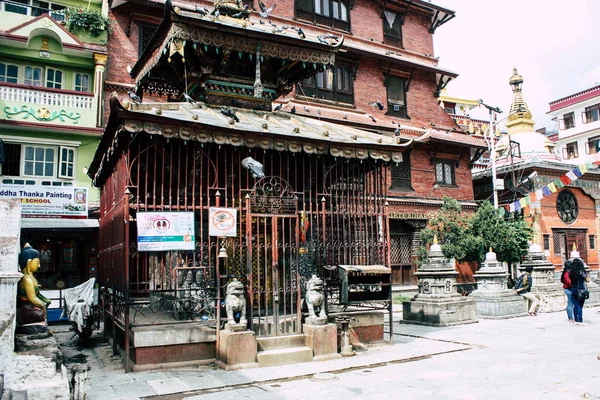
(31, 304)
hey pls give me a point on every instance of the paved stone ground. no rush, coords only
(542, 357)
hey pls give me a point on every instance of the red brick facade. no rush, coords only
(363, 47)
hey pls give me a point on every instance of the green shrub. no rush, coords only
(79, 19)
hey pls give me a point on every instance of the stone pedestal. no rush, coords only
(237, 350)
(493, 299)
(592, 286)
(322, 339)
(437, 302)
(10, 215)
(545, 287)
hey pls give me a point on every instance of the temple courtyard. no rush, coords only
(541, 357)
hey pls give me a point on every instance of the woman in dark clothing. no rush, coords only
(565, 279)
(578, 278)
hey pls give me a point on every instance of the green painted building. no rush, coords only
(52, 61)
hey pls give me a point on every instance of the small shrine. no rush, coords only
(493, 298)
(438, 303)
(545, 287)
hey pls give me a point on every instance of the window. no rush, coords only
(558, 240)
(569, 120)
(593, 145)
(392, 28)
(9, 73)
(33, 76)
(82, 83)
(444, 172)
(36, 8)
(546, 242)
(67, 163)
(39, 161)
(396, 96)
(401, 173)
(571, 151)
(591, 114)
(334, 84)
(592, 242)
(333, 13)
(145, 35)
(53, 78)
(12, 159)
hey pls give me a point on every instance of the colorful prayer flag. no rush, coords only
(558, 183)
(539, 194)
(546, 190)
(511, 207)
(552, 187)
(583, 168)
(533, 197)
(565, 180)
(517, 205)
(577, 172)
(522, 202)
(572, 176)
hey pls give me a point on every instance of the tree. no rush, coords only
(468, 238)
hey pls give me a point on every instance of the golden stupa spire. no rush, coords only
(519, 119)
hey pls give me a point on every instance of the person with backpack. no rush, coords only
(523, 287)
(566, 281)
(579, 292)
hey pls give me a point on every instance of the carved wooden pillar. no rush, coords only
(100, 61)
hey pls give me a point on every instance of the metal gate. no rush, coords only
(272, 258)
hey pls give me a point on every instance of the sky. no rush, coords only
(553, 44)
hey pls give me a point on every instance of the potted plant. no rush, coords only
(79, 19)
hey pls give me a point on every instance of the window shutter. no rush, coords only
(306, 5)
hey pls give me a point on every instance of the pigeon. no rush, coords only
(134, 97)
(261, 21)
(255, 168)
(372, 118)
(293, 110)
(264, 11)
(378, 104)
(201, 11)
(228, 112)
(217, 13)
(128, 69)
(433, 125)
(324, 38)
(188, 98)
(237, 15)
(278, 107)
(306, 109)
(318, 111)
(345, 116)
(397, 131)
(271, 23)
(301, 33)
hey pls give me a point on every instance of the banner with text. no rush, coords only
(160, 231)
(40, 201)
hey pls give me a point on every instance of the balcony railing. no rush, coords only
(45, 105)
(26, 9)
(46, 97)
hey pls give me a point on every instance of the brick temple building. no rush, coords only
(335, 100)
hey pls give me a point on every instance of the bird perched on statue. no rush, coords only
(345, 116)
(134, 97)
(306, 109)
(433, 125)
(397, 131)
(278, 107)
(264, 11)
(293, 110)
(254, 167)
(372, 118)
(378, 104)
(228, 112)
(201, 11)
(188, 98)
(261, 21)
(301, 33)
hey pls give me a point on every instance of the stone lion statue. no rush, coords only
(315, 300)
(235, 302)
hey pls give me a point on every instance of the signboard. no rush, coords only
(405, 215)
(39, 201)
(160, 231)
(222, 222)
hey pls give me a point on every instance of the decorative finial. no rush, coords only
(491, 249)
(435, 239)
(574, 246)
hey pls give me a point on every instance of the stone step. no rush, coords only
(287, 356)
(280, 342)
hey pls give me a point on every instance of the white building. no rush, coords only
(578, 117)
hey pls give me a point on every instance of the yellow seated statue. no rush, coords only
(31, 304)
